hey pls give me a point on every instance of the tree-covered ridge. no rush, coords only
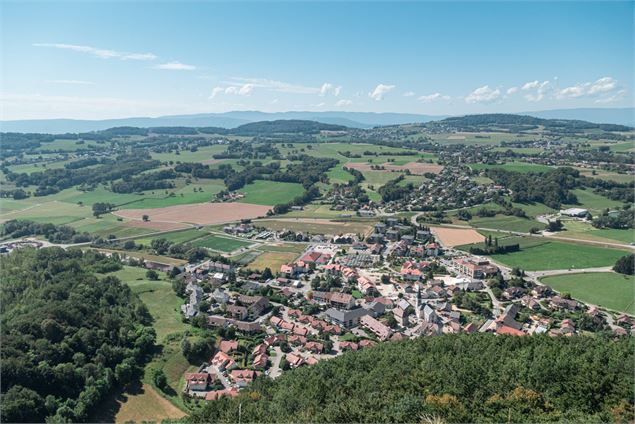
(458, 378)
(68, 336)
(521, 122)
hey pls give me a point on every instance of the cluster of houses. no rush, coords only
(380, 297)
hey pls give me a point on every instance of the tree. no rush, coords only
(101, 208)
(385, 279)
(160, 245)
(267, 274)
(555, 225)
(159, 379)
(20, 404)
(145, 218)
(152, 275)
(625, 265)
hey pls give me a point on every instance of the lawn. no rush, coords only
(272, 260)
(595, 203)
(607, 289)
(536, 255)
(223, 244)
(175, 237)
(202, 154)
(585, 231)
(270, 193)
(506, 223)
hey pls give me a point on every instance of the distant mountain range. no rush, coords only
(622, 116)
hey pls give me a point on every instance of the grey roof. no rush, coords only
(345, 315)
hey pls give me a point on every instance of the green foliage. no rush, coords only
(625, 265)
(456, 378)
(68, 336)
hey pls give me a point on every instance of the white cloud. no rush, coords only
(512, 90)
(76, 82)
(611, 99)
(409, 94)
(343, 102)
(273, 85)
(602, 86)
(327, 88)
(175, 66)
(433, 97)
(101, 53)
(483, 94)
(238, 90)
(380, 91)
(537, 90)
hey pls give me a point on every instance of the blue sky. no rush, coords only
(97, 60)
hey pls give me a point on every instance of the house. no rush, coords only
(433, 249)
(274, 340)
(198, 381)
(300, 331)
(314, 347)
(366, 343)
(341, 300)
(392, 235)
(346, 318)
(237, 312)
(217, 394)
(530, 302)
(214, 321)
(541, 291)
(504, 329)
(401, 315)
(228, 346)
(222, 361)
(243, 377)
(220, 296)
(391, 222)
(422, 234)
(513, 293)
(407, 239)
(296, 340)
(475, 268)
(558, 302)
(344, 346)
(507, 318)
(294, 360)
(247, 327)
(380, 227)
(380, 330)
(375, 308)
(256, 305)
(365, 286)
(429, 315)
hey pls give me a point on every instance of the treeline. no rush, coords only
(54, 233)
(148, 181)
(238, 150)
(491, 247)
(619, 219)
(550, 188)
(392, 190)
(451, 378)
(69, 337)
(52, 181)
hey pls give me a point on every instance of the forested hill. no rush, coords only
(519, 122)
(454, 378)
(68, 336)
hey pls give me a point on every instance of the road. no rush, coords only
(540, 274)
(275, 371)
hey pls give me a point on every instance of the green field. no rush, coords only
(595, 203)
(270, 193)
(174, 237)
(607, 289)
(223, 244)
(202, 154)
(513, 166)
(585, 231)
(506, 223)
(538, 254)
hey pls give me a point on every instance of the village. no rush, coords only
(400, 282)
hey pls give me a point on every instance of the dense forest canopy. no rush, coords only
(68, 336)
(457, 378)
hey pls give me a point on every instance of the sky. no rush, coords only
(114, 59)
